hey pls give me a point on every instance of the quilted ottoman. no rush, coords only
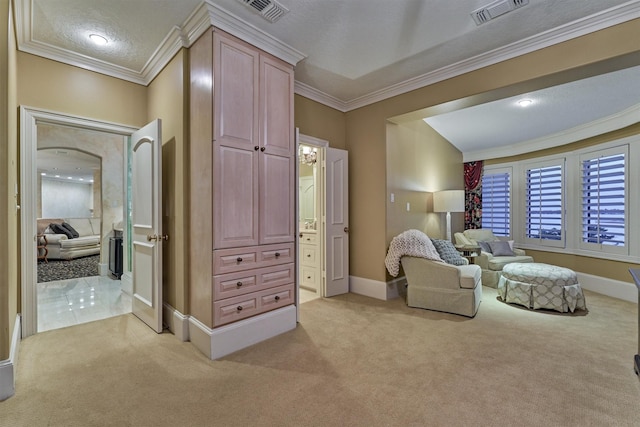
(536, 285)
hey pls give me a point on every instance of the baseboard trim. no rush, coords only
(219, 342)
(610, 287)
(126, 282)
(376, 289)
(8, 366)
(177, 322)
(103, 269)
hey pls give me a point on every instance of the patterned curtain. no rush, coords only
(473, 195)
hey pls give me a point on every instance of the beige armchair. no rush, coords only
(490, 263)
(435, 285)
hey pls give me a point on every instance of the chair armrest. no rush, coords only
(55, 238)
(432, 274)
(519, 252)
(483, 260)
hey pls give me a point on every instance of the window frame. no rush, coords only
(542, 164)
(490, 170)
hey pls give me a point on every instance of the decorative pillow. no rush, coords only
(59, 229)
(484, 246)
(70, 229)
(501, 249)
(448, 252)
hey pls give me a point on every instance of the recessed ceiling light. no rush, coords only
(98, 39)
(525, 102)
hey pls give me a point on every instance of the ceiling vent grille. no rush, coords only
(495, 9)
(270, 10)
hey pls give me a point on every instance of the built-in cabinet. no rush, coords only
(242, 242)
(310, 255)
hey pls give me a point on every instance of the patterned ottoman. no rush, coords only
(536, 285)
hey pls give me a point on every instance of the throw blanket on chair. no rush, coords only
(409, 243)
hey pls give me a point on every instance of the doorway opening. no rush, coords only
(102, 206)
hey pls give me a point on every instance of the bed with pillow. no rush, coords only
(69, 238)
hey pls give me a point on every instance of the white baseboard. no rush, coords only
(8, 366)
(177, 322)
(613, 288)
(219, 342)
(376, 289)
(103, 269)
(126, 282)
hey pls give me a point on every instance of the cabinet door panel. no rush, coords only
(276, 199)
(235, 197)
(236, 92)
(276, 106)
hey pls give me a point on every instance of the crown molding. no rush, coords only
(314, 94)
(611, 123)
(203, 17)
(228, 22)
(610, 17)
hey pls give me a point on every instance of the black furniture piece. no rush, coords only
(115, 256)
(635, 273)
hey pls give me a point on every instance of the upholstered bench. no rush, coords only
(536, 285)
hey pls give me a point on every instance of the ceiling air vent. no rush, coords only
(270, 10)
(495, 9)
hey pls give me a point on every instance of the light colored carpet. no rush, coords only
(352, 361)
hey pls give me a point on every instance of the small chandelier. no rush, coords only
(307, 155)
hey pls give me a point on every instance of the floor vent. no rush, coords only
(495, 9)
(270, 10)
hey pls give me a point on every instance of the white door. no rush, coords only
(336, 239)
(147, 237)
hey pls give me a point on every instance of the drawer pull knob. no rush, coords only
(262, 149)
(308, 277)
(308, 239)
(256, 148)
(308, 255)
(277, 254)
(239, 284)
(239, 259)
(277, 298)
(239, 308)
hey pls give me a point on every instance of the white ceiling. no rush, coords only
(354, 51)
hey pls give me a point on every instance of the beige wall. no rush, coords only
(168, 100)
(9, 296)
(320, 121)
(419, 162)
(58, 87)
(366, 128)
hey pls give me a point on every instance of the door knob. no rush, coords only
(156, 238)
(346, 229)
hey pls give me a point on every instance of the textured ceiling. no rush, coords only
(358, 51)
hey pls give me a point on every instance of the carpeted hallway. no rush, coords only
(352, 361)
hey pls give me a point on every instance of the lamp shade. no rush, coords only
(448, 201)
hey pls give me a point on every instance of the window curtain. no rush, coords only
(473, 195)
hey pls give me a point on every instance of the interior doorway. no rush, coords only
(323, 213)
(34, 122)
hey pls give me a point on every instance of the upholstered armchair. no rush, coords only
(494, 255)
(439, 286)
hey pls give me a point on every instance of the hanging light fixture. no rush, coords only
(307, 155)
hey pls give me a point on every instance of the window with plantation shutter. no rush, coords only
(604, 207)
(544, 203)
(496, 201)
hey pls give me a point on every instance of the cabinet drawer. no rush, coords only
(238, 308)
(309, 239)
(308, 255)
(309, 277)
(246, 258)
(243, 282)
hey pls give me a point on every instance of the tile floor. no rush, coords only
(72, 302)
